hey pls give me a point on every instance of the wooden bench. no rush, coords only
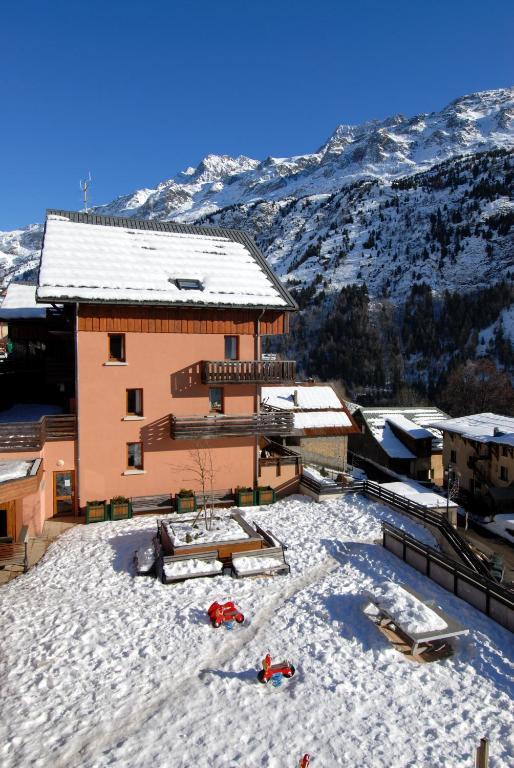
(271, 559)
(213, 566)
(159, 503)
(216, 498)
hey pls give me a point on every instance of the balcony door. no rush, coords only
(64, 493)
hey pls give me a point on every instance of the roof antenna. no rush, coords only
(84, 185)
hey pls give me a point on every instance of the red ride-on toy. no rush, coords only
(274, 672)
(224, 612)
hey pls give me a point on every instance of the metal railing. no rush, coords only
(248, 371)
(208, 427)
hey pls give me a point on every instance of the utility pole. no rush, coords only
(84, 185)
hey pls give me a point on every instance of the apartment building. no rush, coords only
(164, 323)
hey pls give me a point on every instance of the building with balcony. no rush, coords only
(321, 421)
(406, 440)
(158, 329)
(479, 449)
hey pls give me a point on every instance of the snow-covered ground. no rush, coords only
(100, 668)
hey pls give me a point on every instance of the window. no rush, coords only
(117, 347)
(135, 455)
(187, 284)
(231, 348)
(504, 474)
(453, 457)
(134, 402)
(505, 451)
(216, 399)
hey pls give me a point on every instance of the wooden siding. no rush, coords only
(120, 318)
(16, 489)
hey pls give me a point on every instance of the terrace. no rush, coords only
(215, 426)
(248, 371)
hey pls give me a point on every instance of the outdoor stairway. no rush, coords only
(459, 545)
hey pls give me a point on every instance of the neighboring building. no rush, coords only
(322, 422)
(164, 323)
(480, 449)
(404, 440)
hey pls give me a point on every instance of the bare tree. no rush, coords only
(201, 467)
(478, 386)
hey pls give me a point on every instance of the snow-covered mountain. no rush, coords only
(391, 203)
(262, 195)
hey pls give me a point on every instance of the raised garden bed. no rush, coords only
(185, 502)
(245, 497)
(120, 508)
(97, 511)
(265, 495)
(228, 534)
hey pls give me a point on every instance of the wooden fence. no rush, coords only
(429, 517)
(483, 593)
(32, 435)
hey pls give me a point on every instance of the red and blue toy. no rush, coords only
(274, 672)
(224, 613)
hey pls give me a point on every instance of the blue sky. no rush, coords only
(137, 91)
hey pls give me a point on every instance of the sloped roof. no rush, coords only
(309, 397)
(93, 258)
(408, 426)
(19, 303)
(318, 410)
(482, 427)
(425, 418)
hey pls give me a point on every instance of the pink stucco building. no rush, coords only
(148, 337)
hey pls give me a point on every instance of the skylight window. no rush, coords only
(186, 284)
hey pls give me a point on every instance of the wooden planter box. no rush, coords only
(121, 511)
(185, 503)
(265, 495)
(97, 513)
(245, 498)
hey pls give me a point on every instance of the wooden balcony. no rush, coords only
(32, 435)
(213, 427)
(248, 371)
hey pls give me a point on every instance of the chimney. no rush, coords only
(295, 398)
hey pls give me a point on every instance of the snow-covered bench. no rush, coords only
(406, 613)
(259, 561)
(180, 567)
(216, 498)
(160, 503)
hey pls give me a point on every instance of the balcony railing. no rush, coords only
(207, 427)
(248, 371)
(32, 435)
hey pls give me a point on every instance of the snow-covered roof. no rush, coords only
(482, 427)
(317, 397)
(424, 418)
(15, 469)
(321, 419)
(19, 303)
(391, 444)
(105, 259)
(317, 409)
(418, 493)
(409, 427)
